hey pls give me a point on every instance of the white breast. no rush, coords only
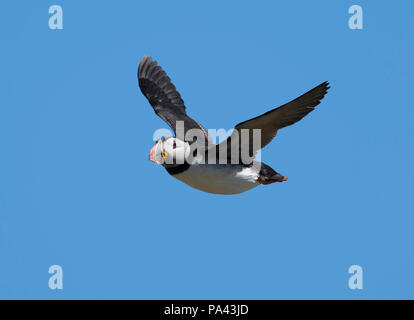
(220, 179)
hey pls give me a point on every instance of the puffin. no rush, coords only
(191, 156)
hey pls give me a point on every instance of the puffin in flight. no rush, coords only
(192, 161)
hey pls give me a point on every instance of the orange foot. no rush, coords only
(266, 182)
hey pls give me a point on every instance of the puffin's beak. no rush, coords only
(153, 153)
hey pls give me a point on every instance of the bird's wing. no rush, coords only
(164, 97)
(270, 122)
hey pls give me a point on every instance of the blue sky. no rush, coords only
(77, 189)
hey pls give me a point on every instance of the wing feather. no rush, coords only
(270, 122)
(164, 97)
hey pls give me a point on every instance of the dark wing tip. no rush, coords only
(156, 85)
(323, 88)
(145, 62)
(298, 108)
(313, 97)
(319, 91)
(326, 86)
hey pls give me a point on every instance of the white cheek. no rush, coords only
(170, 157)
(179, 155)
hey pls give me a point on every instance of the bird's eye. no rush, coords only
(174, 145)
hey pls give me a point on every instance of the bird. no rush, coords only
(202, 164)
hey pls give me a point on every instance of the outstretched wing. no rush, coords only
(270, 122)
(164, 97)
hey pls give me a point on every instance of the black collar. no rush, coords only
(177, 169)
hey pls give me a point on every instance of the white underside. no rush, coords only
(220, 179)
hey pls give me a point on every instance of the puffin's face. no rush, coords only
(169, 151)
